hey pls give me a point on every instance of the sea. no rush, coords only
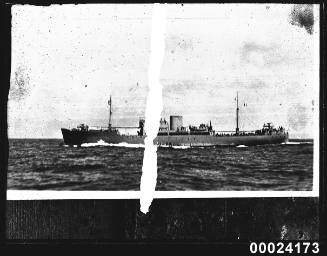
(48, 164)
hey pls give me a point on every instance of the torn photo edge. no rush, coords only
(48, 194)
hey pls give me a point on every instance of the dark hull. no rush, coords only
(79, 137)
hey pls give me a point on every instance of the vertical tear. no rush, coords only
(153, 107)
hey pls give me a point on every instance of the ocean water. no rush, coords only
(47, 164)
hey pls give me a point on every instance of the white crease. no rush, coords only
(153, 107)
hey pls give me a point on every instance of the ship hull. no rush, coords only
(210, 140)
(79, 137)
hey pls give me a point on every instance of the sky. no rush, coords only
(68, 59)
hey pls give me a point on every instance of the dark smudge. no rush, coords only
(302, 16)
(269, 55)
(20, 84)
(298, 117)
(175, 43)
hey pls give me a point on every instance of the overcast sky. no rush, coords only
(68, 59)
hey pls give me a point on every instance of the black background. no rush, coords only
(220, 222)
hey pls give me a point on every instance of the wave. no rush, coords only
(99, 143)
(175, 147)
(105, 144)
(296, 143)
(241, 146)
(127, 145)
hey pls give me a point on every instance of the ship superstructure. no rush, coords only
(173, 133)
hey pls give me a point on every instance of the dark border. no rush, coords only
(323, 122)
(4, 89)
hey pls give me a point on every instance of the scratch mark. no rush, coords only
(153, 107)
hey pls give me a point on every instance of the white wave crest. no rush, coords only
(105, 144)
(295, 143)
(127, 145)
(241, 146)
(99, 143)
(175, 147)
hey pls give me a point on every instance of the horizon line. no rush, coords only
(47, 138)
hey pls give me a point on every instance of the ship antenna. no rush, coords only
(237, 110)
(110, 112)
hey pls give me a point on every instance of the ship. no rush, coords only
(173, 133)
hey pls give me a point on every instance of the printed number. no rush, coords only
(280, 247)
(271, 248)
(262, 247)
(316, 247)
(289, 248)
(298, 247)
(253, 247)
(306, 244)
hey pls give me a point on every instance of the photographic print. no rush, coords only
(212, 110)
(239, 97)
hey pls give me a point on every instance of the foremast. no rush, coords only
(237, 111)
(110, 113)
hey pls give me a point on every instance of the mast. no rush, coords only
(110, 112)
(237, 110)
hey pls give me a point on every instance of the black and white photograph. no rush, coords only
(164, 122)
(239, 97)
